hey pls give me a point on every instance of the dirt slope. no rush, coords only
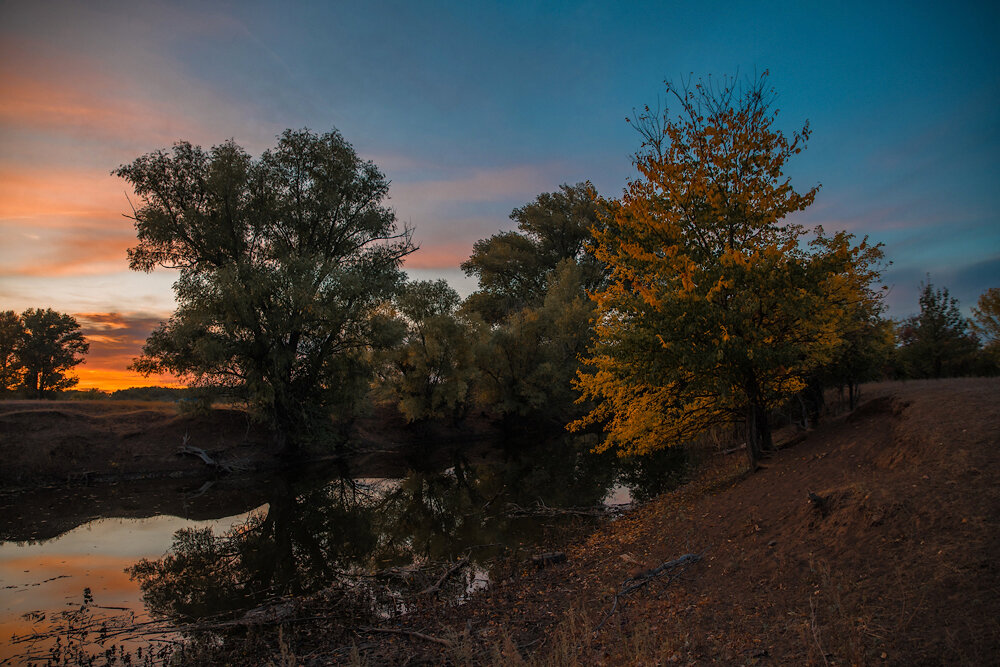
(899, 565)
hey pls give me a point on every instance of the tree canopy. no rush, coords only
(986, 318)
(937, 341)
(282, 261)
(514, 267)
(37, 349)
(717, 308)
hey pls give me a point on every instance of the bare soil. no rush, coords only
(896, 565)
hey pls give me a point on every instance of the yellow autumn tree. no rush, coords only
(717, 307)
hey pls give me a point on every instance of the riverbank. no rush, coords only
(59, 443)
(872, 541)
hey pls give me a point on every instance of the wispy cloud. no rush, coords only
(479, 185)
(115, 340)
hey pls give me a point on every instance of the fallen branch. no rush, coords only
(411, 633)
(544, 510)
(640, 580)
(462, 562)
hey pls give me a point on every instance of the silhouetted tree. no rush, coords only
(51, 345)
(514, 267)
(282, 262)
(936, 342)
(11, 339)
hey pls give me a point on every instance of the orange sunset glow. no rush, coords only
(115, 340)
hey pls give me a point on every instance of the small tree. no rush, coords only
(11, 340)
(282, 262)
(51, 345)
(937, 341)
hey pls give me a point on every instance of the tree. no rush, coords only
(716, 310)
(937, 341)
(11, 340)
(513, 268)
(986, 321)
(282, 261)
(431, 371)
(51, 345)
(528, 363)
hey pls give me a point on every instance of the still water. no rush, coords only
(81, 566)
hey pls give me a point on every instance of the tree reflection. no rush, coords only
(371, 539)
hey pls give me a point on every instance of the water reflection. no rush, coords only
(379, 539)
(375, 544)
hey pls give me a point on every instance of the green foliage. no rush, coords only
(532, 295)
(528, 363)
(513, 268)
(283, 261)
(430, 372)
(715, 309)
(37, 349)
(937, 341)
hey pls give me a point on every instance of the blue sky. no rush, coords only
(474, 108)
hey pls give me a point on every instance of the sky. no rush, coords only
(472, 109)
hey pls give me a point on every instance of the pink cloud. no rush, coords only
(481, 185)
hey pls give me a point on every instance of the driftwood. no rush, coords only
(462, 562)
(203, 455)
(411, 633)
(541, 509)
(551, 558)
(675, 566)
(208, 460)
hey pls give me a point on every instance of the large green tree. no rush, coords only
(717, 308)
(281, 262)
(51, 345)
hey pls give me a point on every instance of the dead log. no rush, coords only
(550, 558)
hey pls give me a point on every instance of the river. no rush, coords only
(91, 568)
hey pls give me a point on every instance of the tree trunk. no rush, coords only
(758, 433)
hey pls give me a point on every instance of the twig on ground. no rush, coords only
(640, 580)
